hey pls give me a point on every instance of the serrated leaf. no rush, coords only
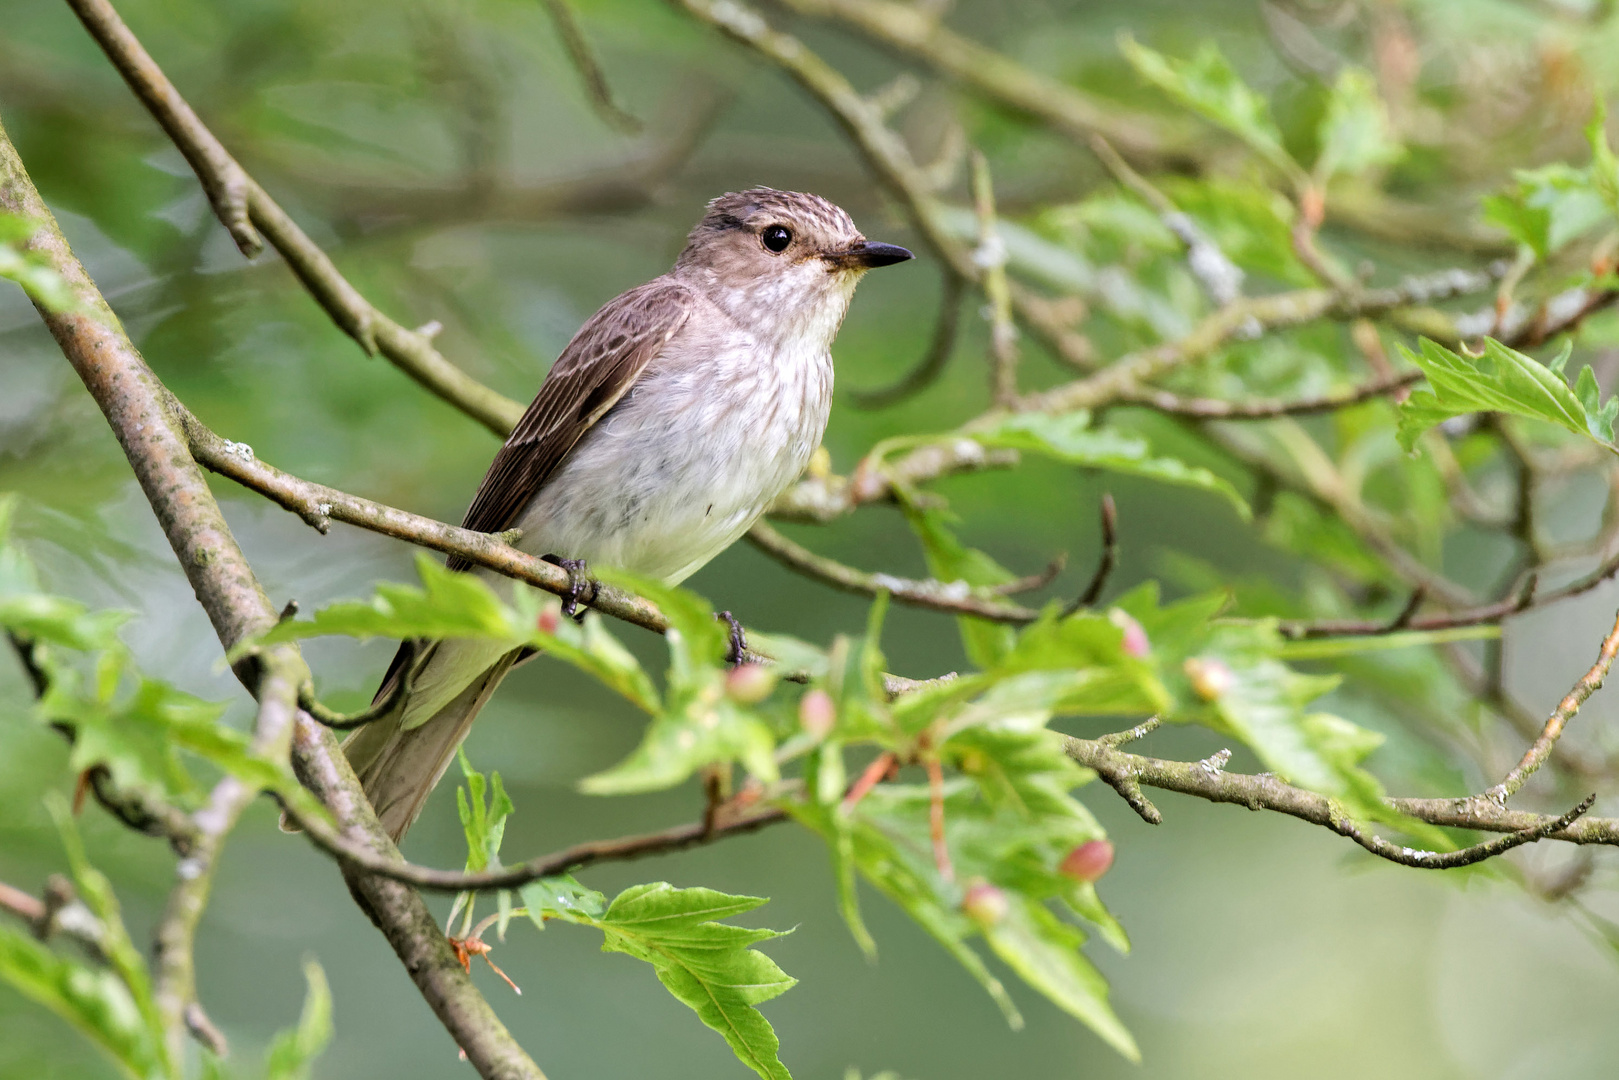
(92, 1000)
(949, 561)
(701, 727)
(1070, 438)
(1546, 208)
(1209, 86)
(448, 605)
(560, 897)
(695, 723)
(292, 1051)
(1502, 380)
(114, 1006)
(1355, 134)
(1044, 951)
(707, 965)
(483, 823)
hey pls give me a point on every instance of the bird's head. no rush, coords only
(781, 261)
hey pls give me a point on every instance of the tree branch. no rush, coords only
(1268, 792)
(727, 821)
(243, 206)
(933, 362)
(135, 405)
(956, 597)
(589, 67)
(1566, 710)
(1211, 409)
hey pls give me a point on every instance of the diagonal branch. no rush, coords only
(244, 207)
(933, 362)
(136, 407)
(1211, 409)
(956, 597)
(1566, 710)
(1268, 792)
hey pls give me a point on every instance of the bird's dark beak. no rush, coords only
(867, 255)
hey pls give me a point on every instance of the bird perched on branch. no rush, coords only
(678, 412)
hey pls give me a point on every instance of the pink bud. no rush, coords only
(1135, 638)
(749, 684)
(1210, 678)
(818, 713)
(984, 904)
(548, 620)
(1089, 861)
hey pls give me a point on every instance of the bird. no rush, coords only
(671, 420)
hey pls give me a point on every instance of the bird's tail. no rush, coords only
(400, 757)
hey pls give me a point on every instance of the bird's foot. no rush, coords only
(581, 586)
(738, 648)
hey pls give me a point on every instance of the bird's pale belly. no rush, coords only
(681, 468)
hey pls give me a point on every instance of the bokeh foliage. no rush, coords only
(436, 150)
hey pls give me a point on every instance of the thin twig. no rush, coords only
(1211, 409)
(933, 362)
(1268, 792)
(725, 822)
(1566, 710)
(1105, 564)
(1520, 601)
(1220, 278)
(955, 597)
(60, 912)
(589, 67)
(243, 206)
(1468, 856)
(990, 258)
(132, 400)
(402, 688)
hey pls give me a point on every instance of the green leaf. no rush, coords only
(560, 897)
(484, 824)
(113, 1006)
(56, 620)
(1069, 437)
(950, 561)
(1044, 951)
(709, 966)
(292, 1051)
(448, 605)
(1546, 208)
(1355, 134)
(1208, 86)
(92, 1000)
(593, 649)
(43, 284)
(1502, 380)
(1604, 165)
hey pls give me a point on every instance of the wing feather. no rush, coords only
(598, 367)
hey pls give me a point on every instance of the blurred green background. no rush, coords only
(446, 156)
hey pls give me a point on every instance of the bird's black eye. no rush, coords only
(776, 238)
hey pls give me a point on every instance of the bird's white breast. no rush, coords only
(711, 432)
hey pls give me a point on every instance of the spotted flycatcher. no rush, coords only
(668, 424)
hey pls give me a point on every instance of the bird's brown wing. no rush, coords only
(597, 368)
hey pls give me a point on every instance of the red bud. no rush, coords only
(749, 684)
(549, 619)
(818, 713)
(1210, 678)
(984, 904)
(1089, 861)
(1135, 637)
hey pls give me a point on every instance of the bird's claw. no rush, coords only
(738, 648)
(580, 583)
